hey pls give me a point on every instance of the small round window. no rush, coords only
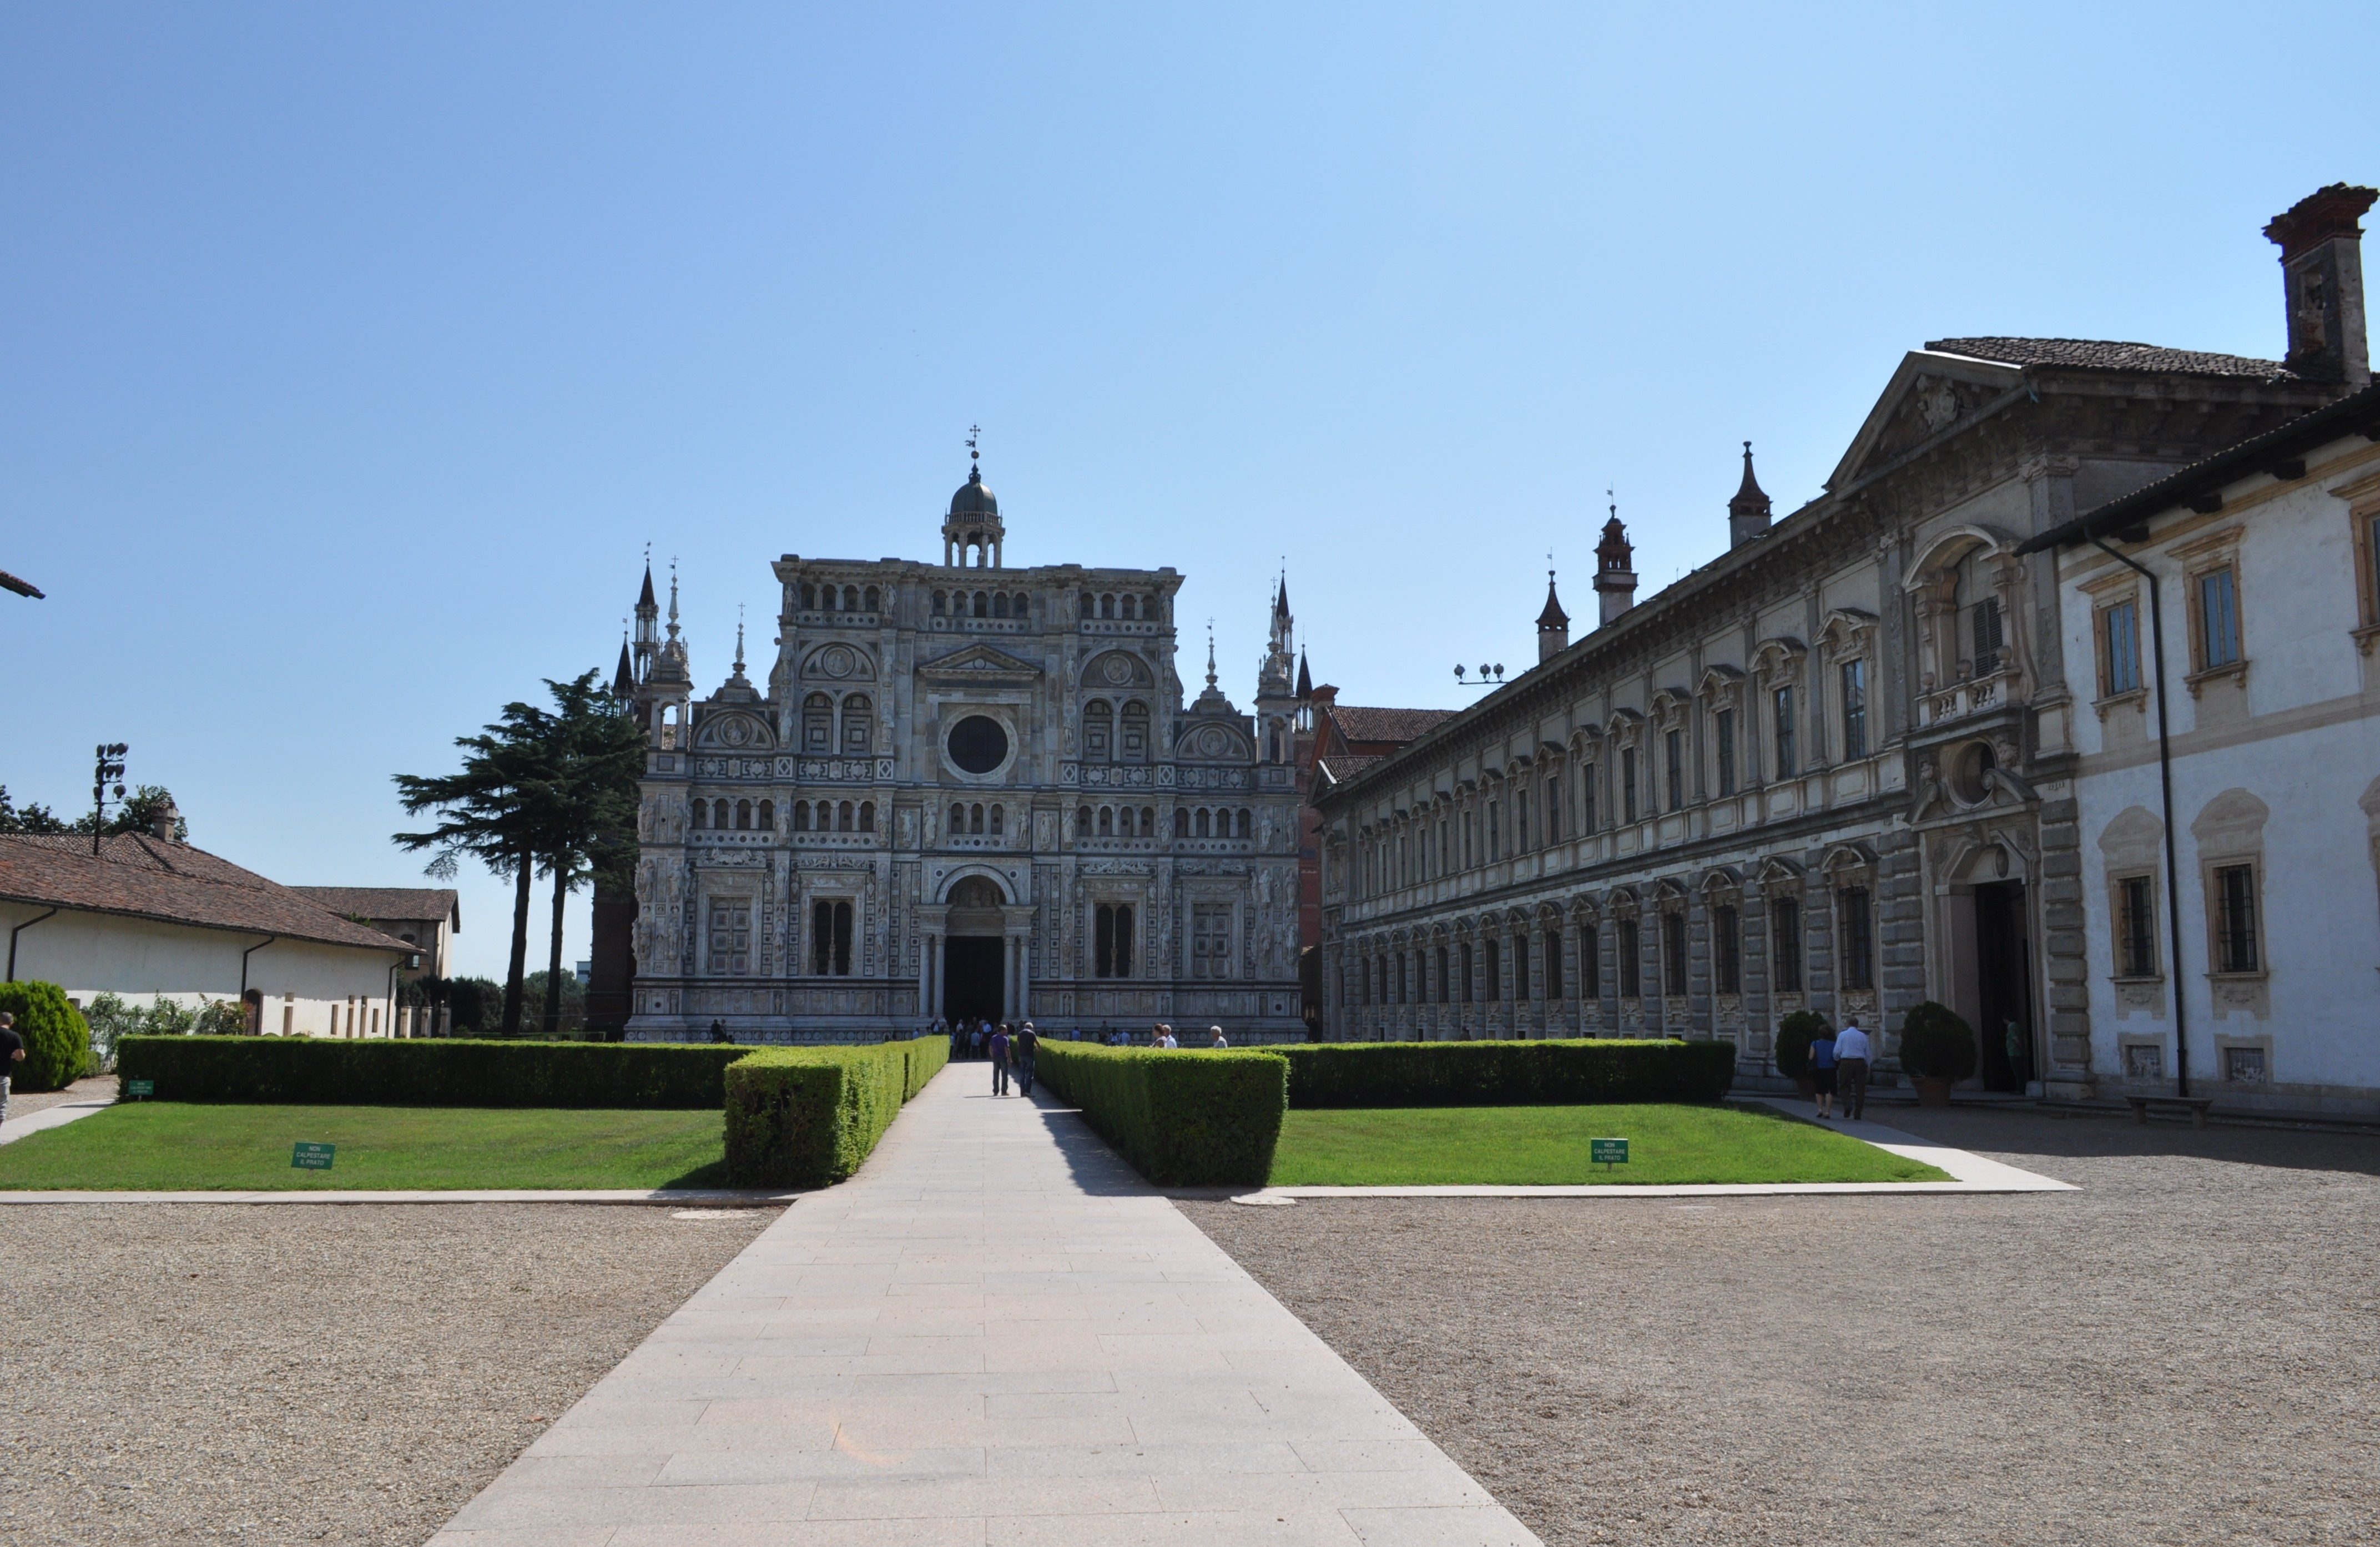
(977, 744)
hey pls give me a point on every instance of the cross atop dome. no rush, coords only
(972, 533)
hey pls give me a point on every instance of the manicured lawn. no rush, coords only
(188, 1146)
(1525, 1146)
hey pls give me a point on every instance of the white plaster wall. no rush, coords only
(2309, 748)
(142, 960)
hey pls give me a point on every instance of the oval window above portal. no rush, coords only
(977, 744)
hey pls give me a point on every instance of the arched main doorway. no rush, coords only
(973, 947)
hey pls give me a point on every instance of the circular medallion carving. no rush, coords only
(1211, 743)
(734, 733)
(1117, 670)
(977, 744)
(836, 662)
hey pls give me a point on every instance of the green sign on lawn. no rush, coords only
(1608, 1152)
(312, 1157)
(139, 1088)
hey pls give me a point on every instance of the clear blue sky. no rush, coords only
(349, 355)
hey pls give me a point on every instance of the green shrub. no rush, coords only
(1183, 1120)
(57, 1041)
(1794, 1035)
(807, 1116)
(1935, 1043)
(331, 1072)
(220, 1017)
(1549, 1073)
(111, 1020)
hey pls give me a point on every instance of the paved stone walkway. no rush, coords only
(995, 1334)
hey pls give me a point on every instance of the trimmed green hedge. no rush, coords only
(1550, 1073)
(430, 1072)
(57, 1041)
(807, 1116)
(1184, 1119)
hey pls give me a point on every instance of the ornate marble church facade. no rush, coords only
(963, 790)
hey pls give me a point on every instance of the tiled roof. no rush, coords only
(2096, 354)
(1341, 769)
(142, 877)
(1358, 723)
(425, 903)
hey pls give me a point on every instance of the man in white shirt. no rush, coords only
(1851, 1066)
(1219, 1036)
(1165, 1037)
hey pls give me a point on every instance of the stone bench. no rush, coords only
(2195, 1105)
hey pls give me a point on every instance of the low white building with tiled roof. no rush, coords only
(426, 917)
(147, 919)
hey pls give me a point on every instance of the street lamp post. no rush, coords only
(109, 770)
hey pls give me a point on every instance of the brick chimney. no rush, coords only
(1747, 514)
(161, 823)
(2322, 268)
(1615, 582)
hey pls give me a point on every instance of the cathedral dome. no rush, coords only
(973, 499)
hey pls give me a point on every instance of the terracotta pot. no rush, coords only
(1931, 1091)
(1807, 1086)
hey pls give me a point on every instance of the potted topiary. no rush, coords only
(1794, 1035)
(1937, 1050)
(57, 1042)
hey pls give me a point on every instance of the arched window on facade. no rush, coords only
(851, 599)
(1181, 823)
(1204, 821)
(768, 816)
(809, 597)
(998, 820)
(1082, 821)
(1107, 606)
(942, 603)
(1133, 747)
(999, 604)
(1111, 941)
(958, 817)
(1086, 606)
(1107, 822)
(801, 816)
(974, 819)
(1240, 828)
(1019, 606)
(1099, 731)
(743, 816)
(830, 940)
(1126, 609)
(858, 724)
(868, 816)
(818, 723)
(982, 604)
(870, 602)
(1149, 821)
(701, 814)
(845, 817)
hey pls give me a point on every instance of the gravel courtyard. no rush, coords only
(2183, 1352)
(310, 1373)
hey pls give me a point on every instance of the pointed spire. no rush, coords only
(1304, 678)
(623, 680)
(1281, 597)
(1210, 654)
(1747, 514)
(739, 638)
(1553, 616)
(645, 597)
(673, 611)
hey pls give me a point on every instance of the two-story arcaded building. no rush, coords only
(1832, 768)
(964, 790)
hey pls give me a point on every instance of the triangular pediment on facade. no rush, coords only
(979, 663)
(1930, 397)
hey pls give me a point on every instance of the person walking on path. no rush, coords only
(1000, 1060)
(1029, 1047)
(1822, 1073)
(1165, 1036)
(12, 1052)
(1219, 1036)
(1850, 1069)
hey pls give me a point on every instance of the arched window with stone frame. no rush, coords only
(743, 816)
(942, 603)
(1180, 821)
(818, 723)
(801, 816)
(701, 815)
(1846, 645)
(1099, 731)
(1778, 703)
(1851, 880)
(868, 816)
(1134, 744)
(1082, 821)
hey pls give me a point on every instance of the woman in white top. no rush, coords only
(1219, 1036)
